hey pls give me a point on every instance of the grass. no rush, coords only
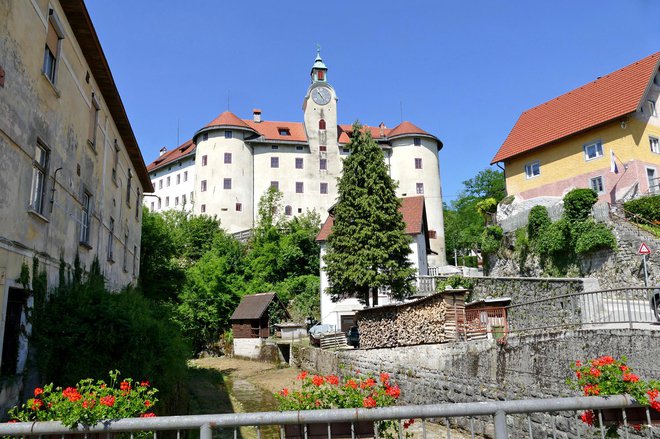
(655, 230)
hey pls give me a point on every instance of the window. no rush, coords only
(299, 148)
(655, 145)
(275, 147)
(203, 186)
(323, 148)
(152, 206)
(417, 141)
(111, 233)
(52, 48)
(93, 121)
(275, 185)
(183, 199)
(284, 131)
(322, 124)
(167, 183)
(651, 105)
(433, 234)
(419, 188)
(167, 201)
(39, 174)
(226, 183)
(323, 164)
(274, 162)
(345, 150)
(228, 158)
(159, 204)
(418, 163)
(320, 75)
(16, 303)
(324, 188)
(134, 260)
(228, 135)
(287, 210)
(299, 187)
(204, 160)
(185, 175)
(125, 259)
(593, 150)
(85, 218)
(178, 178)
(115, 163)
(205, 136)
(533, 169)
(160, 184)
(299, 163)
(137, 205)
(203, 208)
(176, 201)
(129, 184)
(239, 207)
(654, 182)
(596, 184)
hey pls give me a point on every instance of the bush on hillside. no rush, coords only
(647, 208)
(590, 236)
(578, 204)
(537, 222)
(555, 239)
(491, 239)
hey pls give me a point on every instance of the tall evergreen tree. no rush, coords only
(368, 247)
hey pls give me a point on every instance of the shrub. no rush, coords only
(538, 221)
(556, 238)
(455, 281)
(578, 203)
(491, 239)
(590, 236)
(647, 208)
(468, 261)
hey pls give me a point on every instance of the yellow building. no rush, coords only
(71, 172)
(603, 135)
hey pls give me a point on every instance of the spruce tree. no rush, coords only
(368, 247)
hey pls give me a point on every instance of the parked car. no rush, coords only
(353, 337)
(655, 303)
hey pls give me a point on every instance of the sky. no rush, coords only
(461, 70)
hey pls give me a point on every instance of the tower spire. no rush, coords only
(319, 70)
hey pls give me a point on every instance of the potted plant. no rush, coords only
(89, 402)
(351, 391)
(604, 376)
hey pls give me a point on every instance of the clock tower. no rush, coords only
(320, 107)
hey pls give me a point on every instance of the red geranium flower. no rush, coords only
(317, 380)
(588, 417)
(108, 401)
(332, 379)
(148, 415)
(284, 392)
(35, 404)
(72, 394)
(369, 402)
(384, 377)
(144, 384)
(394, 391)
(369, 382)
(125, 385)
(302, 375)
(38, 391)
(595, 372)
(631, 377)
(408, 423)
(352, 384)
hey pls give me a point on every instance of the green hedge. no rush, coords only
(578, 204)
(646, 207)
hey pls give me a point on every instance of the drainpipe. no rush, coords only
(52, 191)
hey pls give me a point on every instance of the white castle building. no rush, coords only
(231, 162)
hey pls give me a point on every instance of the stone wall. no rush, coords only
(527, 367)
(428, 320)
(613, 269)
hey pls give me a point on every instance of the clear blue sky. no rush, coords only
(462, 70)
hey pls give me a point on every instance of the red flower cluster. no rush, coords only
(602, 361)
(148, 415)
(108, 401)
(125, 386)
(318, 380)
(284, 392)
(369, 382)
(72, 394)
(630, 377)
(352, 384)
(38, 391)
(369, 402)
(591, 389)
(36, 404)
(332, 379)
(384, 377)
(653, 399)
(588, 417)
(408, 423)
(393, 391)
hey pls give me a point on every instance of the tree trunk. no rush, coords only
(374, 296)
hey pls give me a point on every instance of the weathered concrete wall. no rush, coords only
(420, 322)
(249, 348)
(527, 367)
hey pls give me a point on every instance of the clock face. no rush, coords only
(321, 95)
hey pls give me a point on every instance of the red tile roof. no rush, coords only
(227, 119)
(271, 130)
(412, 209)
(186, 148)
(593, 104)
(406, 128)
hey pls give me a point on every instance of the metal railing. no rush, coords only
(621, 306)
(532, 418)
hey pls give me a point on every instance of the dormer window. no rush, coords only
(284, 131)
(417, 141)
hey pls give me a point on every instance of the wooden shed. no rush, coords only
(252, 317)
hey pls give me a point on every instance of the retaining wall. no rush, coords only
(527, 367)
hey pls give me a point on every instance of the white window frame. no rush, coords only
(602, 184)
(653, 188)
(598, 145)
(651, 105)
(111, 238)
(654, 144)
(85, 217)
(419, 188)
(529, 169)
(54, 58)
(39, 177)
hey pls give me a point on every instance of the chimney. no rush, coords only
(256, 115)
(163, 150)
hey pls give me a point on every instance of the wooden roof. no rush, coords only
(253, 306)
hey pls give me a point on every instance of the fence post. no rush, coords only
(500, 425)
(205, 431)
(630, 317)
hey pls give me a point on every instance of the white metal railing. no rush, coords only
(509, 418)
